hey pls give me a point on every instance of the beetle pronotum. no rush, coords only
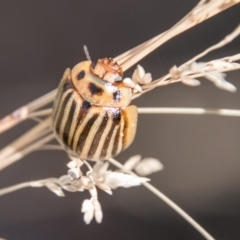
(91, 116)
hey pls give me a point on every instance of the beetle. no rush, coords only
(91, 115)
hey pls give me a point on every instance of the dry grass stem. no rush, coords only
(203, 11)
(56, 185)
(192, 70)
(38, 137)
(229, 38)
(38, 183)
(28, 142)
(27, 111)
(195, 111)
(168, 201)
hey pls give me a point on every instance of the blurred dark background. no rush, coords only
(39, 39)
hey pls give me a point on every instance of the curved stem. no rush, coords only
(169, 202)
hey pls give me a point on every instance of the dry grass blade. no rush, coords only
(195, 111)
(187, 69)
(39, 136)
(27, 111)
(28, 142)
(203, 11)
(169, 202)
(56, 186)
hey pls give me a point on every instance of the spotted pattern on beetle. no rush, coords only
(91, 116)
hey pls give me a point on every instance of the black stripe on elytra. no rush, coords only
(64, 87)
(116, 113)
(86, 105)
(57, 101)
(56, 105)
(60, 117)
(95, 90)
(81, 75)
(84, 134)
(116, 141)
(116, 117)
(82, 113)
(107, 141)
(98, 136)
(68, 124)
(68, 85)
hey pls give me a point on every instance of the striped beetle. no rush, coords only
(91, 114)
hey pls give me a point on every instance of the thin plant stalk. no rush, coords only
(200, 13)
(229, 38)
(27, 111)
(194, 111)
(44, 182)
(38, 183)
(168, 201)
(168, 78)
(39, 136)
(15, 150)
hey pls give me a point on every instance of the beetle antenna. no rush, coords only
(86, 53)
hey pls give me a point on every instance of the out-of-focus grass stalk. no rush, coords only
(164, 198)
(16, 150)
(194, 111)
(168, 201)
(200, 13)
(28, 142)
(37, 137)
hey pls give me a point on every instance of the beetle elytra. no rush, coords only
(91, 114)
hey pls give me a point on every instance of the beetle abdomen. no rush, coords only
(88, 131)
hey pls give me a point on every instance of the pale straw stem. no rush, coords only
(42, 101)
(14, 188)
(45, 112)
(209, 12)
(195, 111)
(166, 80)
(14, 152)
(169, 202)
(199, 14)
(51, 147)
(27, 111)
(37, 144)
(38, 183)
(229, 38)
(18, 155)
(29, 137)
